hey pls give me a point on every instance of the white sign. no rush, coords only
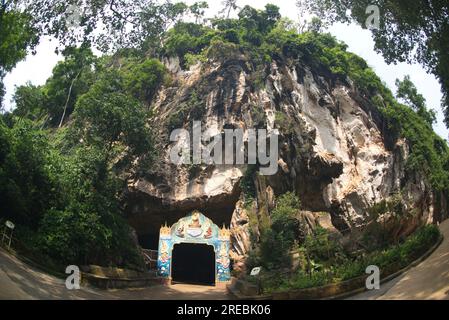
(9, 224)
(255, 271)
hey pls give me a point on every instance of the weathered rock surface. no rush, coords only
(335, 152)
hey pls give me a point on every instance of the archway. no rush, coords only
(194, 244)
(193, 263)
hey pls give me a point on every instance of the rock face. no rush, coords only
(334, 151)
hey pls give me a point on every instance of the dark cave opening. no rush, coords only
(193, 263)
(149, 241)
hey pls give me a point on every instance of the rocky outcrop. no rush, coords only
(334, 151)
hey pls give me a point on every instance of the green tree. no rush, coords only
(107, 135)
(144, 79)
(228, 6)
(88, 228)
(30, 102)
(198, 9)
(17, 36)
(404, 35)
(55, 101)
(125, 23)
(107, 117)
(70, 79)
(26, 183)
(408, 92)
(281, 237)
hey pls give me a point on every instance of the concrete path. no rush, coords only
(428, 280)
(20, 281)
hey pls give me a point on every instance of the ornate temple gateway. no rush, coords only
(194, 249)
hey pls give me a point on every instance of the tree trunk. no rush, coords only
(68, 98)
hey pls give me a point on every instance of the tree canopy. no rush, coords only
(417, 32)
(17, 36)
(71, 145)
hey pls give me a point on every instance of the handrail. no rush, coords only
(150, 257)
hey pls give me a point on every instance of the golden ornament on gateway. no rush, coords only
(224, 233)
(195, 222)
(165, 230)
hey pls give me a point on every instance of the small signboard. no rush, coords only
(9, 224)
(255, 271)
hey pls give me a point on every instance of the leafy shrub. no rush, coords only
(280, 238)
(259, 117)
(192, 109)
(26, 183)
(247, 184)
(388, 260)
(275, 249)
(320, 247)
(144, 79)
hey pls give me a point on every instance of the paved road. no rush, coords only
(20, 281)
(428, 280)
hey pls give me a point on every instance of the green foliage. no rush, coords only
(193, 59)
(391, 205)
(30, 102)
(226, 39)
(17, 36)
(26, 184)
(284, 123)
(247, 184)
(281, 236)
(258, 116)
(108, 118)
(88, 227)
(108, 133)
(222, 51)
(389, 260)
(140, 24)
(320, 247)
(55, 101)
(176, 120)
(144, 79)
(287, 206)
(187, 39)
(429, 153)
(407, 91)
(65, 185)
(275, 249)
(403, 35)
(192, 109)
(197, 107)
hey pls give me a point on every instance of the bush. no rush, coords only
(27, 187)
(389, 260)
(277, 242)
(144, 79)
(319, 247)
(275, 249)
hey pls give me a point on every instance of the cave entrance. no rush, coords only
(193, 263)
(194, 250)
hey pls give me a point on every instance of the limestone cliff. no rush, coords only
(335, 151)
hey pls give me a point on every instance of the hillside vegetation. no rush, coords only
(69, 146)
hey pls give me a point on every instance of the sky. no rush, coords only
(37, 68)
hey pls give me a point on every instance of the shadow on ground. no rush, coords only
(20, 281)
